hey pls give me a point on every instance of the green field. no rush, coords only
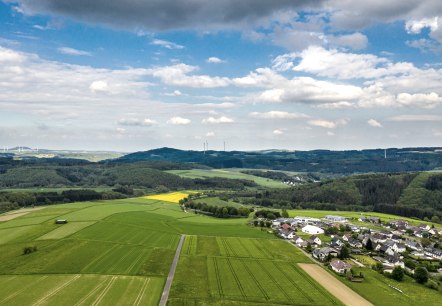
(243, 271)
(110, 252)
(230, 174)
(379, 290)
(119, 253)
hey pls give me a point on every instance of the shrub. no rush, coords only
(29, 249)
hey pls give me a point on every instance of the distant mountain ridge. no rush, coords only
(326, 161)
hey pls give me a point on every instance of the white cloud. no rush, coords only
(278, 131)
(177, 75)
(136, 122)
(374, 123)
(179, 121)
(214, 60)
(416, 118)
(213, 120)
(430, 100)
(175, 93)
(166, 44)
(210, 134)
(97, 86)
(278, 115)
(335, 64)
(72, 51)
(327, 124)
(416, 26)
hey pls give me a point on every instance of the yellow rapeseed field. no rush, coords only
(174, 197)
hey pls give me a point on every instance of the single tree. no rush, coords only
(421, 275)
(369, 244)
(397, 274)
(343, 254)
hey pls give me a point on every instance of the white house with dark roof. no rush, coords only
(340, 266)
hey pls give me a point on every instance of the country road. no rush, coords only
(169, 280)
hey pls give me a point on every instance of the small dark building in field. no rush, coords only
(61, 221)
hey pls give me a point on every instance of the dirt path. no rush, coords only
(17, 213)
(169, 280)
(334, 286)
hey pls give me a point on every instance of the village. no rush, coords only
(342, 243)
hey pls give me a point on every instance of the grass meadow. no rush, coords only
(230, 174)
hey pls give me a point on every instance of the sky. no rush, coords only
(253, 74)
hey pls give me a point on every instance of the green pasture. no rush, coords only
(230, 174)
(379, 290)
(243, 271)
(215, 201)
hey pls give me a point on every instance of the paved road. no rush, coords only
(169, 280)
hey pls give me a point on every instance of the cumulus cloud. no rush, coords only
(179, 121)
(327, 124)
(97, 86)
(277, 115)
(74, 52)
(213, 120)
(178, 75)
(214, 60)
(166, 44)
(374, 123)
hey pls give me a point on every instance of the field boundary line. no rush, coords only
(253, 277)
(235, 276)
(309, 298)
(169, 280)
(20, 291)
(104, 292)
(100, 284)
(56, 290)
(142, 291)
(99, 257)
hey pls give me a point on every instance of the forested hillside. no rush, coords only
(324, 161)
(407, 194)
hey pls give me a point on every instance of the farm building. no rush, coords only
(61, 221)
(333, 218)
(340, 266)
(311, 229)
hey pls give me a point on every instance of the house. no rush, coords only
(378, 238)
(311, 229)
(297, 240)
(336, 242)
(324, 253)
(346, 237)
(354, 243)
(315, 240)
(338, 219)
(286, 233)
(395, 261)
(399, 224)
(340, 266)
(414, 245)
(424, 227)
(433, 253)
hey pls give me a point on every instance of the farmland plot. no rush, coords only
(79, 290)
(243, 270)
